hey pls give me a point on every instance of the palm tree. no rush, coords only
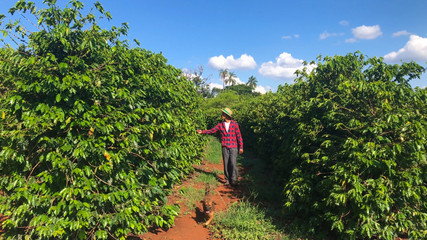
(223, 73)
(231, 78)
(252, 82)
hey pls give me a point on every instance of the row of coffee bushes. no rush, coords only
(348, 141)
(93, 131)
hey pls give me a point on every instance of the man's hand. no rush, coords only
(240, 151)
(199, 131)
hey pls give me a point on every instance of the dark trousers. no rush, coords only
(229, 156)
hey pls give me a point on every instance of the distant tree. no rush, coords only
(200, 83)
(215, 91)
(240, 89)
(228, 78)
(231, 79)
(252, 82)
(212, 106)
(223, 74)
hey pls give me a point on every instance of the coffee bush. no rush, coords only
(93, 131)
(348, 140)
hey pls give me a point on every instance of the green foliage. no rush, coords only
(260, 183)
(212, 106)
(243, 220)
(252, 82)
(242, 89)
(93, 131)
(349, 142)
(262, 122)
(199, 82)
(213, 150)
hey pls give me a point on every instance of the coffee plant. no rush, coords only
(211, 107)
(349, 142)
(93, 131)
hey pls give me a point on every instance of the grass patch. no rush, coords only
(244, 220)
(213, 150)
(217, 172)
(259, 216)
(207, 178)
(191, 196)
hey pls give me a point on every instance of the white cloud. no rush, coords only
(351, 40)
(238, 81)
(414, 50)
(244, 62)
(290, 37)
(401, 33)
(367, 32)
(262, 90)
(215, 85)
(284, 67)
(326, 34)
(344, 23)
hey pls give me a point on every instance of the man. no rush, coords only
(232, 143)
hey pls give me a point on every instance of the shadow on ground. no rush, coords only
(262, 187)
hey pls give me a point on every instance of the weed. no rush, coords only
(244, 220)
(213, 151)
(191, 196)
(217, 172)
(209, 178)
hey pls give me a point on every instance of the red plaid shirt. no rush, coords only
(230, 139)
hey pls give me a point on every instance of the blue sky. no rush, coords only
(269, 39)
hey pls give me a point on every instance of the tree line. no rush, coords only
(229, 83)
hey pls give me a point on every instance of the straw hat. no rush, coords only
(227, 111)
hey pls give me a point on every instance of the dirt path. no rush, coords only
(188, 225)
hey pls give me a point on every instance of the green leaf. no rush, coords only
(4, 33)
(120, 126)
(63, 67)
